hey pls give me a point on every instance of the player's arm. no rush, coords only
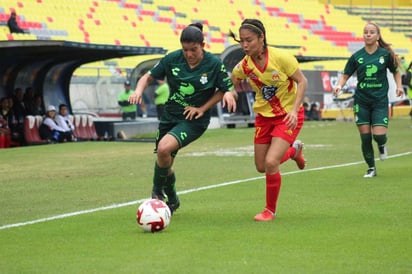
(230, 97)
(236, 84)
(398, 80)
(341, 82)
(301, 84)
(291, 118)
(229, 100)
(144, 81)
(197, 112)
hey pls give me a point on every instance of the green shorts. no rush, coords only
(185, 131)
(374, 114)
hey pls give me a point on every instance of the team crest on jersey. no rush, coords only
(203, 78)
(381, 60)
(275, 75)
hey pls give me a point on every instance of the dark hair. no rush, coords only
(192, 34)
(62, 106)
(385, 45)
(253, 25)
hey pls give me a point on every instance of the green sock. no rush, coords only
(170, 188)
(380, 139)
(367, 149)
(159, 178)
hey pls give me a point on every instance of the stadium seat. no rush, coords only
(84, 125)
(91, 128)
(79, 130)
(31, 130)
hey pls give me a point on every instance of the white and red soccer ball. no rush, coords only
(153, 215)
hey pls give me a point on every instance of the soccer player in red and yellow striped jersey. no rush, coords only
(280, 87)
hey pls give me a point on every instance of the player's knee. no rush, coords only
(272, 165)
(163, 151)
(260, 168)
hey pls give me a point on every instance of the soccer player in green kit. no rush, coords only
(371, 96)
(197, 80)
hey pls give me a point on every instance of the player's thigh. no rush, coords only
(362, 114)
(162, 130)
(260, 156)
(167, 145)
(185, 132)
(277, 150)
(379, 115)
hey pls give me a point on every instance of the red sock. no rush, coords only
(273, 182)
(289, 154)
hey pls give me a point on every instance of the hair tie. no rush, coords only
(253, 26)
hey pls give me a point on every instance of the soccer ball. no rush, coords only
(153, 215)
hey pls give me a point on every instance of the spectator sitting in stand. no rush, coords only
(18, 105)
(50, 130)
(28, 100)
(19, 112)
(16, 131)
(306, 106)
(62, 119)
(12, 24)
(314, 112)
(38, 106)
(5, 136)
(5, 133)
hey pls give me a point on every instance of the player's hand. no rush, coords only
(135, 98)
(337, 91)
(291, 120)
(399, 92)
(229, 101)
(192, 112)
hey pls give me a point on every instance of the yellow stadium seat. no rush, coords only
(318, 30)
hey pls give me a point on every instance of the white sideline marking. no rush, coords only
(81, 212)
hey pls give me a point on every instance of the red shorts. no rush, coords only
(269, 127)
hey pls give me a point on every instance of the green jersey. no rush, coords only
(190, 86)
(161, 94)
(124, 97)
(371, 72)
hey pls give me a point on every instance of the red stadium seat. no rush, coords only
(31, 130)
(80, 130)
(91, 128)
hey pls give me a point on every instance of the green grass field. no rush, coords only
(70, 208)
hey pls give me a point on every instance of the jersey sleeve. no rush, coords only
(350, 66)
(223, 80)
(289, 63)
(237, 71)
(159, 70)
